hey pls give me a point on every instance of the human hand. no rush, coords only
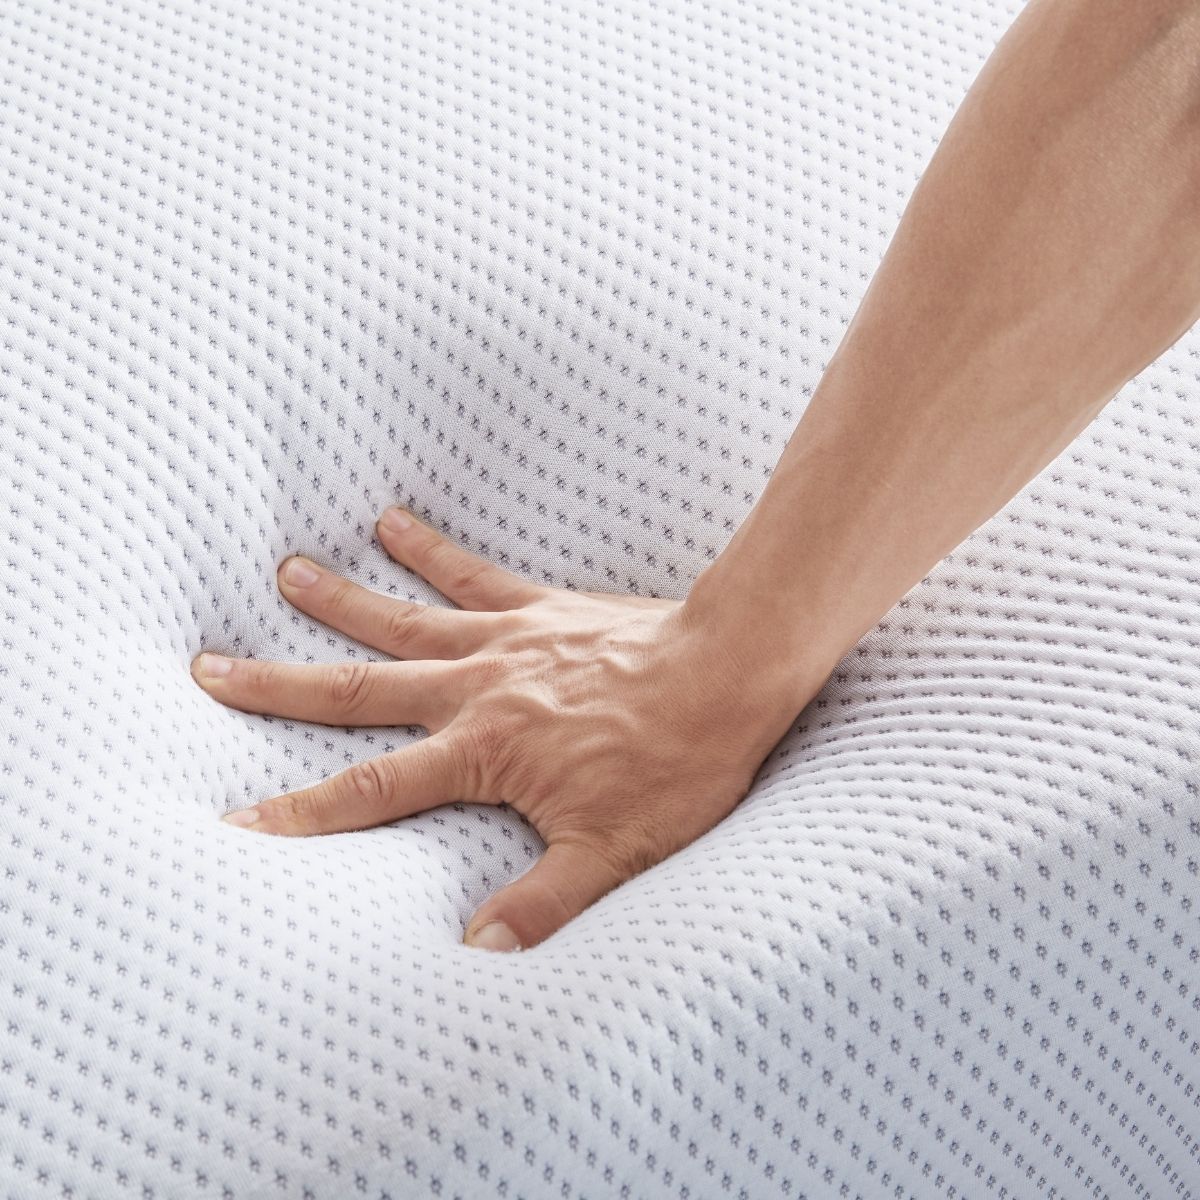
(619, 726)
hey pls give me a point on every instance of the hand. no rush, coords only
(616, 724)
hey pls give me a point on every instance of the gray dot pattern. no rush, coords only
(561, 278)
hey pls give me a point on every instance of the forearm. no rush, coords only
(1050, 251)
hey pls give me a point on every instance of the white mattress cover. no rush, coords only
(560, 277)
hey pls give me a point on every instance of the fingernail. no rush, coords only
(396, 519)
(241, 817)
(299, 572)
(495, 935)
(213, 666)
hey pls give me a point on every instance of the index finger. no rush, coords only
(424, 775)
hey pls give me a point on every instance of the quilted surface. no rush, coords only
(561, 278)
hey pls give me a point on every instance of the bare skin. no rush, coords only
(1050, 252)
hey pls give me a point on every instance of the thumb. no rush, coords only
(568, 878)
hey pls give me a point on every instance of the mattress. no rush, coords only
(559, 277)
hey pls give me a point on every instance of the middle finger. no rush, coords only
(347, 693)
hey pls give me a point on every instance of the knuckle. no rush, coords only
(349, 684)
(339, 598)
(467, 576)
(300, 809)
(488, 669)
(401, 625)
(485, 746)
(369, 782)
(461, 570)
(261, 678)
(439, 550)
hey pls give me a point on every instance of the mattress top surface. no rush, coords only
(560, 278)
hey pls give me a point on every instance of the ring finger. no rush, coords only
(397, 627)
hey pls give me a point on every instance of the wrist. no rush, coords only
(760, 640)
(825, 551)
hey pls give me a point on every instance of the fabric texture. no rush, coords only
(561, 278)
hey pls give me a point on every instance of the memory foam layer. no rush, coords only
(561, 278)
